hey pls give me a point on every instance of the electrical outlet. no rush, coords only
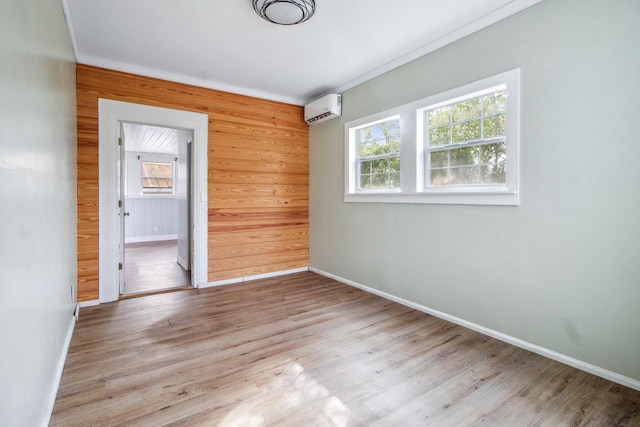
(155, 228)
(73, 293)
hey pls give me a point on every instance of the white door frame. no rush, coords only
(110, 114)
(122, 183)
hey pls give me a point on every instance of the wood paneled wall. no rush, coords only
(258, 181)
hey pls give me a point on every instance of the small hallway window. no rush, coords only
(157, 178)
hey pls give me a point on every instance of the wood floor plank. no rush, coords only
(305, 350)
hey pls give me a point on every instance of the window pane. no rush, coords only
(366, 149)
(159, 183)
(466, 131)
(440, 159)
(464, 156)
(365, 167)
(378, 147)
(364, 136)
(394, 164)
(495, 126)
(467, 110)
(482, 164)
(471, 122)
(439, 116)
(493, 174)
(439, 136)
(380, 173)
(439, 177)
(495, 103)
(365, 181)
(157, 177)
(380, 180)
(394, 180)
(465, 175)
(393, 145)
(378, 166)
(379, 139)
(493, 153)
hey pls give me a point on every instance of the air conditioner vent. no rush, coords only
(326, 108)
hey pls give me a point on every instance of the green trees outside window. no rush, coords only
(379, 155)
(466, 142)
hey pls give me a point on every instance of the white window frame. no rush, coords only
(414, 166)
(353, 132)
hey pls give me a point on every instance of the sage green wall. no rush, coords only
(562, 270)
(38, 194)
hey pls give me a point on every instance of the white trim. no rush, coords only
(183, 263)
(276, 274)
(491, 18)
(110, 114)
(72, 34)
(485, 198)
(256, 277)
(508, 82)
(181, 78)
(58, 373)
(412, 151)
(222, 282)
(158, 238)
(89, 303)
(558, 357)
(351, 145)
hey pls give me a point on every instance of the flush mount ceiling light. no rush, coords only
(285, 12)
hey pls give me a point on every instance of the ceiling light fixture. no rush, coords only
(285, 12)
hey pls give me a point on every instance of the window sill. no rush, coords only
(496, 198)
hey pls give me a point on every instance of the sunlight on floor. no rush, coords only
(290, 398)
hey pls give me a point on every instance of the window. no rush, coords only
(157, 178)
(457, 147)
(466, 141)
(378, 153)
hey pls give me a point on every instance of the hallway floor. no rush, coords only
(152, 266)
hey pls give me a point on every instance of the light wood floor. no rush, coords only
(153, 266)
(305, 350)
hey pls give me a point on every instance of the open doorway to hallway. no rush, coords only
(155, 173)
(112, 115)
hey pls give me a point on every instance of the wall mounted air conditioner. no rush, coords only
(326, 108)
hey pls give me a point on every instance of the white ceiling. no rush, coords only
(224, 44)
(153, 139)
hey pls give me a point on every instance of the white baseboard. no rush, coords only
(58, 374)
(256, 277)
(183, 263)
(558, 357)
(89, 303)
(276, 274)
(143, 239)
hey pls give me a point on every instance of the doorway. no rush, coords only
(155, 191)
(111, 115)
